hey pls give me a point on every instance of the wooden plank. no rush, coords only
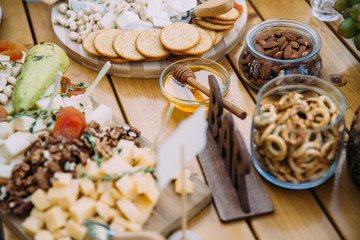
(336, 58)
(40, 18)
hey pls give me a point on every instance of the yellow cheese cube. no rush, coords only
(38, 198)
(115, 166)
(152, 192)
(126, 224)
(35, 212)
(127, 149)
(117, 227)
(55, 218)
(107, 198)
(82, 209)
(61, 179)
(104, 212)
(116, 194)
(62, 196)
(43, 234)
(32, 225)
(87, 186)
(189, 185)
(104, 186)
(129, 210)
(126, 186)
(145, 206)
(75, 230)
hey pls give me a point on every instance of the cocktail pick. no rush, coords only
(185, 75)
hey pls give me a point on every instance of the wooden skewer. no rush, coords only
(185, 75)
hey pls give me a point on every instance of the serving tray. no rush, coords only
(142, 69)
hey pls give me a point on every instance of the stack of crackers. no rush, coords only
(178, 40)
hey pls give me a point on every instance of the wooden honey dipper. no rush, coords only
(185, 75)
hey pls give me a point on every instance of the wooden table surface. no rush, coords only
(330, 211)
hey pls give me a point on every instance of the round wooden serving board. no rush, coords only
(142, 69)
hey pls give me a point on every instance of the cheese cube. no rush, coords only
(6, 129)
(116, 166)
(35, 212)
(126, 224)
(75, 230)
(61, 179)
(39, 199)
(82, 209)
(126, 186)
(102, 115)
(127, 20)
(62, 196)
(55, 218)
(107, 198)
(43, 234)
(87, 186)
(32, 225)
(104, 212)
(129, 210)
(25, 123)
(117, 227)
(104, 186)
(189, 185)
(127, 149)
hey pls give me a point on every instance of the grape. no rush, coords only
(341, 5)
(346, 13)
(348, 28)
(353, 2)
(355, 10)
(357, 41)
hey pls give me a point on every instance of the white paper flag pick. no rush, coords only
(191, 134)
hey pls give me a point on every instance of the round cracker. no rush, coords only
(216, 21)
(103, 42)
(203, 45)
(219, 37)
(231, 15)
(179, 36)
(115, 60)
(148, 44)
(88, 43)
(212, 26)
(125, 47)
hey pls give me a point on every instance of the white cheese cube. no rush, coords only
(55, 218)
(127, 20)
(101, 115)
(126, 186)
(84, 208)
(6, 129)
(43, 234)
(129, 210)
(39, 199)
(31, 225)
(75, 230)
(61, 179)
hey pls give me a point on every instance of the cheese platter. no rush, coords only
(149, 67)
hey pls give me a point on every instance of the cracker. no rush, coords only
(115, 60)
(88, 43)
(203, 45)
(231, 15)
(125, 47)
(219, 37)
(179, 36)
(212, 26)
(148, 44)
(216, 21)
(103, 42)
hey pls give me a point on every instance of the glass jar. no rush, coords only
(258, 68)
(297, 131)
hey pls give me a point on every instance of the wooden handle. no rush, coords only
(143, 235)
(228, 105)
(213, 8)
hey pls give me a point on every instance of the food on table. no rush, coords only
(40, 68)
(350, 27)
(290, 140)
(353, 148)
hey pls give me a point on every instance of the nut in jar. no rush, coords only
(297, 131)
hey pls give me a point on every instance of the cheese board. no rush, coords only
(142, 69)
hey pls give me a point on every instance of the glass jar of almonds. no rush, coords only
(278, 47)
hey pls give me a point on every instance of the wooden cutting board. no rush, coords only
(166, 216)
(142, 69)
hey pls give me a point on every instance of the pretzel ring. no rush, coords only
(304, 147)
(288, 100)
(275, 147)
(301, 113)
(326, 102)
(329, 150)
(321, 117)
(310, 159)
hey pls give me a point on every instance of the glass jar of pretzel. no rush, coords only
(297, 131)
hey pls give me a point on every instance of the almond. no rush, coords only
(287, 52)
(270, 44)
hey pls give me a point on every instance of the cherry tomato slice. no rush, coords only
(69, 124)
(14, 54)
(3, 113)
(4, 45)
(71, 89)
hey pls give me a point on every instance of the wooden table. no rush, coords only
(330, 211)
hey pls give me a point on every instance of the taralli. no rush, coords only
(291, 140)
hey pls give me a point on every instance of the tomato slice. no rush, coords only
(3, 113)
(14, 54)
(70, 89)
(69, 124)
